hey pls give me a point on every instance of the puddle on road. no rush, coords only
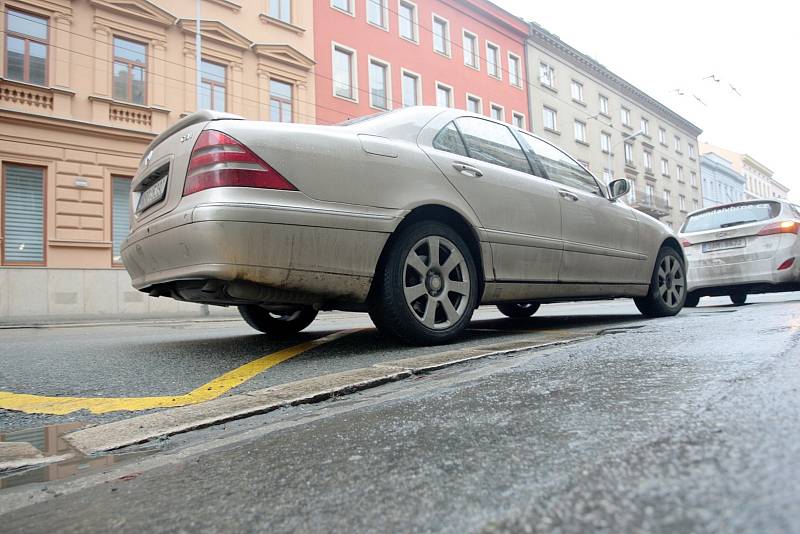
(51, 444)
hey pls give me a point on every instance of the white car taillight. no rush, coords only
(219, 160)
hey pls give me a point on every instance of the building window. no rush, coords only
(444, 95)
(606, 175)
(471, 50)
(649, 194)
(378, 13)
(26, 47)
(580, 131)
(605, 142)
(647, 159)
(576, 89)
(632, 192)
(497, 112)
(667, 198)
(682, 202)
(280, 101)
(645, 126)
(625, 116)
(513, 71)
(677, 144)
(547, 75)
(23, 214)
(378, 84)
(130, 68)
(474, 104)
(679, 173)
(120, 215)
(629, 153)
(664, 167)
(695, 204)
(411, 89)
(212, 86)
(549, 119)
(493, 66)
(693, 178)
(343, 79)
(343, 5)
(281, 10)
(408, 21)
(691, 151)
(662, 136)
(441, 35)
(604, 105)
(519, 120)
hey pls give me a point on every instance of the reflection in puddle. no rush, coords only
(50, 443)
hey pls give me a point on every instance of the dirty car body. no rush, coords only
(282, 217)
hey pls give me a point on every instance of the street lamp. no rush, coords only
(611, 149)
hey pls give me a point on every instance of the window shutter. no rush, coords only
(24, 214)
(120, 214)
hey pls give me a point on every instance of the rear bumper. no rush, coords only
(760, 272)
(328, 253)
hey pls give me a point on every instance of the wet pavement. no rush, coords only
(690, 424)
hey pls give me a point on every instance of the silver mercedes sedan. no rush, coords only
(416, 216)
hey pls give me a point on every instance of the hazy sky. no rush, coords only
(663, 46)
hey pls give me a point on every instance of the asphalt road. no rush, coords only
(684, 425)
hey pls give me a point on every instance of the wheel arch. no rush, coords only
(672, 243)
(445, 215)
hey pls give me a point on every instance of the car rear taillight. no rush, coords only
(783, 227)
(686, 243)
(219, 160)
(785, 265)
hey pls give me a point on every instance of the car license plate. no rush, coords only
(153, 194)
(725, 244)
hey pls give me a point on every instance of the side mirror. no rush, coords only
(618, 188)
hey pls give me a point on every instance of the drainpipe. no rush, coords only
(198, 50)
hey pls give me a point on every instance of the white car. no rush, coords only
(742, 248)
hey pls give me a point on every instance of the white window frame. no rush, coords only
(418, 96)
(551, 71)
(517, 115)
(693, 178)
(625, 116)
(388, 66)
(493, 106)
(607, 148)
(628, 153)
(476, 56)
(518, 61)
(677, 141)
(353, 71)
(647, 160)
(662, 135)
(445, 86)
(572, 85)
(385, 17)
(644, 125)
(679, 173)
(554, 112)
(682, 202)
(414, 23)
(583, 130)
(603, 108)
(667, 195)
(474, 97)
(499, 66)
(664, 167)
(352, 11)
(692, 153)
(447, 40)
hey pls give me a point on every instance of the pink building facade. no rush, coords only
(376, 55)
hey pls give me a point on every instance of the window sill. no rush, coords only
(629, 165)
(665, 145)
(143, 107)
(408, 40)
(678, 152)
(581, 142)
(384, 28)
(667, 176)
(550, 130)
(230, 4)
(266, 19)
(692, 158)
(346, 98)
(628, 126)
(443, 54)
(694, 187)
(515, 85)
(549, 87)
(75, 243)
(494, 76)
(473, 67)
(606, 115)
(342, 11)
(579, 102)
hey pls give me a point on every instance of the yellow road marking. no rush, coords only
(22, 402)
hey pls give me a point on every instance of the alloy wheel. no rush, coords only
(671, 282)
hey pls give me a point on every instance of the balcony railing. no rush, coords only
(650, 204)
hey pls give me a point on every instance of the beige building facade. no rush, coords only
(613, 128)
(760, 182)
(85, 86)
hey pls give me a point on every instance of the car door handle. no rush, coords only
(567, 195)
(467, 170)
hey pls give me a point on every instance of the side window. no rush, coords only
(449, 140)
(560, 167)
(492, 143)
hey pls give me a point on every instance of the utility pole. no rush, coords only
(198, 52)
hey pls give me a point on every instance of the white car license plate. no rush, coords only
(725, 244)
(152, 194)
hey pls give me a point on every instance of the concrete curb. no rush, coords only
(139, 429)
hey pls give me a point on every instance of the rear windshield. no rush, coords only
(728, 216)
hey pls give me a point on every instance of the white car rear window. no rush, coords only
(728, 216)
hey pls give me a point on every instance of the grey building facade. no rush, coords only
(613, 128)
(721, 183)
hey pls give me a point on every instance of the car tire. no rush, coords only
(413, 286)
(278, 324)
(518, 310)
(738, 298)
(692, 300)
(665, 297)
